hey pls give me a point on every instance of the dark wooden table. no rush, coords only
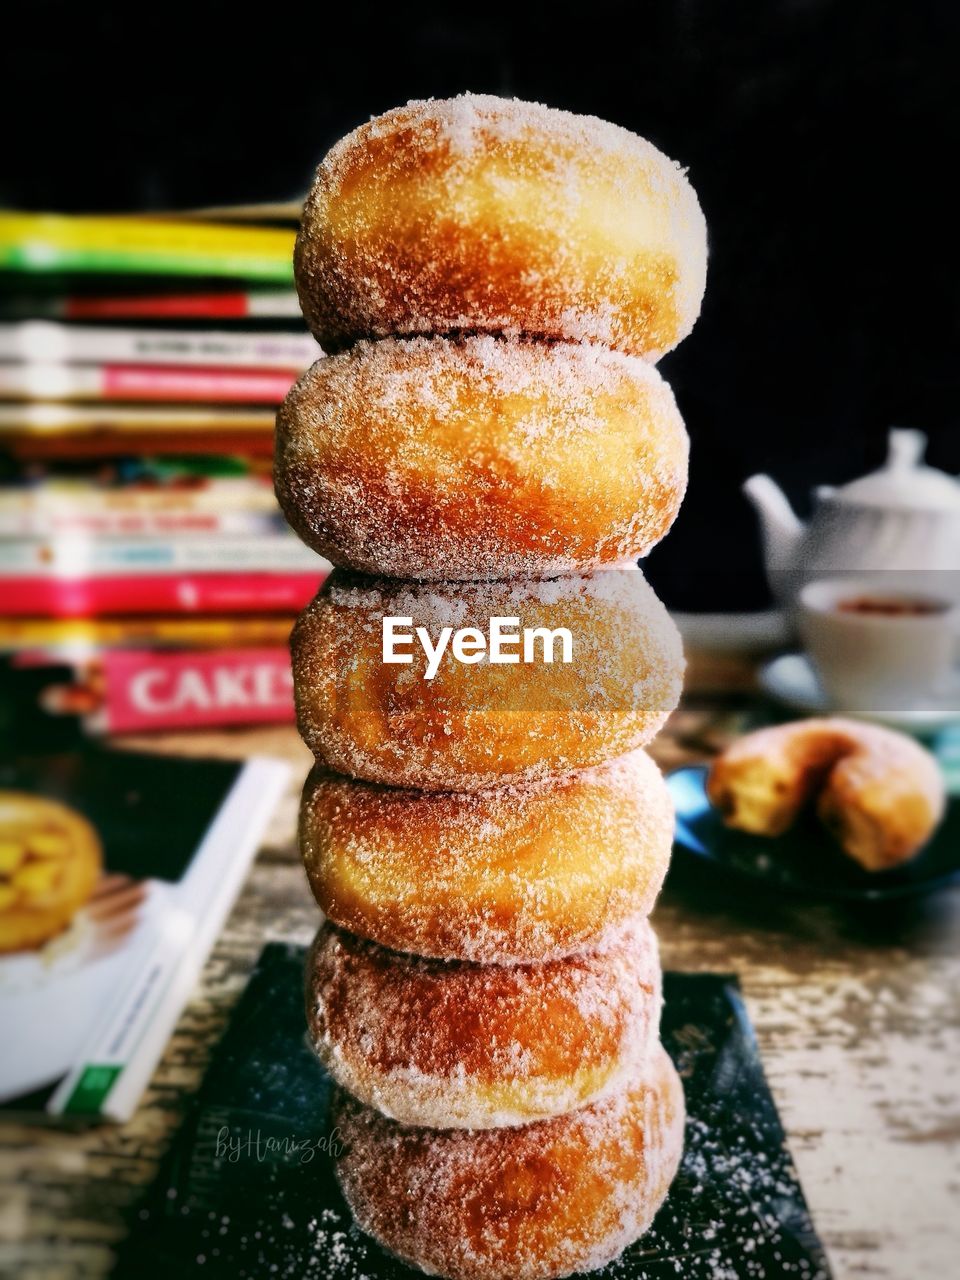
(858, 1018)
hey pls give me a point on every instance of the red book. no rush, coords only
(157, 593)
(191, 384)
(208, 306)
(150, 690)
(133, 690)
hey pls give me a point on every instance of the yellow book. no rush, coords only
(41, 243)
(188, 632)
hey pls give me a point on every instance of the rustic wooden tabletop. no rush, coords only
(857, 1016)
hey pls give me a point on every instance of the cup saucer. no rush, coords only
(792, 680)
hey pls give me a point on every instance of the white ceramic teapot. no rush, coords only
(903, 520)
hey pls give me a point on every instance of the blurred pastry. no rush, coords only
(525, 871)
(877, 791)
(484, 458)
(50, 861)
(479, 213)
(471, 1046)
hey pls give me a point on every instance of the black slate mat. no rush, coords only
(247, 1190)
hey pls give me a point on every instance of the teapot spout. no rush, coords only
(779, 525)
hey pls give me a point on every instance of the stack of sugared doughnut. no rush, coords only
(489, 438)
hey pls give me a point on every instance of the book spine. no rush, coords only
(57, 637)
(52, 418)
(43, 523)
(276, 553)
(56, 499)
(47, 342)
(38, 244)
(281, 304)
(146, 690)
(260, 304)
(144, 382)
(157, 593)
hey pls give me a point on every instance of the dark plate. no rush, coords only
(247, 1191)
(806, 860)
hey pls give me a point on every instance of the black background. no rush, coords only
(821, 135)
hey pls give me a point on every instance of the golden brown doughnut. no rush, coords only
(485, 458)
(470, 1046)
(472, 726)
(524, 871)
(487, 214)
(533, 1203)
(50, 861)
(878, 791)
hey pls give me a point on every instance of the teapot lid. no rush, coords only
(904, 481)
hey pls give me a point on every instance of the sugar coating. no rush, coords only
(458, 1045)
(480, 458)
(533, 1203)
(490, 214)
(474, 726)
(524, 871)
(491, 221)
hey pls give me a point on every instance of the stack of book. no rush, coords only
(143, 559)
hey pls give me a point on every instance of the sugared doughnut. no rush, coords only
(471, 1046)
(485, 458)
(878, 791)
(525, 871)
(533, 1203)
(50, 861)
(487, 214)
(476, 724)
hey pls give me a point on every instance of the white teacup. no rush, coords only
(878, 650)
